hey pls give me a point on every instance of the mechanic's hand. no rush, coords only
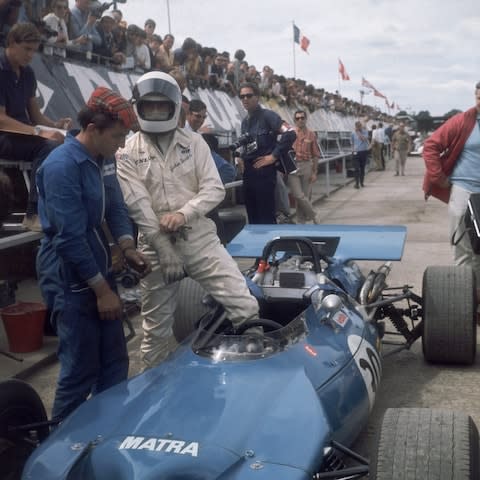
(109, 305)
(171, 222)
(313, 177)
(264, 161)
(137, 261)
(117, 258)
(170, 263)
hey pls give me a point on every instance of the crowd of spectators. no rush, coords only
(93, 31)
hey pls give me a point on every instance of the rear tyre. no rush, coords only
(189, 308)
(19, 405)
(449, 315)
(418, 443)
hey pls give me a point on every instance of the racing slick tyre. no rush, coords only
(422, 443)
(19, 405)
(189, 308)
(449, 315)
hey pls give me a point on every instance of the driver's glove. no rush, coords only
(170, 263)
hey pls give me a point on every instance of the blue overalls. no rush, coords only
(76, 193)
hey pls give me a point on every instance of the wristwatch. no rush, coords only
(36, 130)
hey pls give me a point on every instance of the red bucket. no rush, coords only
(24, 322)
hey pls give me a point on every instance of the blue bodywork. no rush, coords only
(224, 413)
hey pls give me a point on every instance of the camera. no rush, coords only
(99, 9)
(243, 140)
(44, 29)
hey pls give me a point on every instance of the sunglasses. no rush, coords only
(299, 118)
(246, 95)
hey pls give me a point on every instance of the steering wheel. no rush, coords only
(267, 324)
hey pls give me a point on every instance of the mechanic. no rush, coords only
(78, 191)
(169, 183)
(258, 156)
(452, 156)
(19, 111)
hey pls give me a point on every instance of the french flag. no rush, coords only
(301, 39)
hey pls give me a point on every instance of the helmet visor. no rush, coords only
(155, 110)
(156, 86)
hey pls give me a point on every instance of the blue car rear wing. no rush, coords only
(343, 242)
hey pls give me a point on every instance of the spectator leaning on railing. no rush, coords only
(108, 47)
(56, 20)
(82, 26)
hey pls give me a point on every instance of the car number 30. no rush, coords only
(368, 363)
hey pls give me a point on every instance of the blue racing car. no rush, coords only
(283, 397)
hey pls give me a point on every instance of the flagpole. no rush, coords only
(168, 16)
(293, 46)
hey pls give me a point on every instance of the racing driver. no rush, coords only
(170, 183)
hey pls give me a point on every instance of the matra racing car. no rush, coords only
(283, 397)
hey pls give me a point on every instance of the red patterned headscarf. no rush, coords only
(105, 100)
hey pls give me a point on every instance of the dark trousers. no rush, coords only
(360, 160)
(92, 352)
(27, 148)
(259, 196)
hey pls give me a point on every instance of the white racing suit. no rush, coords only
(183, 180)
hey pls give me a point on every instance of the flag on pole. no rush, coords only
(379, 94)
(367, 84)
(301, 39)
(343, 72)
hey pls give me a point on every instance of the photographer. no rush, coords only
(56, 22)
(259, 154)
(82, 26)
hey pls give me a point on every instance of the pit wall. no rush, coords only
(64, 87)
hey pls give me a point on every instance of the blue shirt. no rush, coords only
(16, 92)
(76, 193)
(360, 140)
(466, 173)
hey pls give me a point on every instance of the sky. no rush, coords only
(419, 53)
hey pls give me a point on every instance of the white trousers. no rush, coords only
(300, 188)
(207, 262)
(400, 161)
(462, 251)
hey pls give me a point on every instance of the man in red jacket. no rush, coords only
(452, 157)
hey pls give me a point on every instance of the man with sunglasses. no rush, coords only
(307, 154)
(452, 157)
(269, 137)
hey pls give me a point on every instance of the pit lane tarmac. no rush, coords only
(408, 381)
